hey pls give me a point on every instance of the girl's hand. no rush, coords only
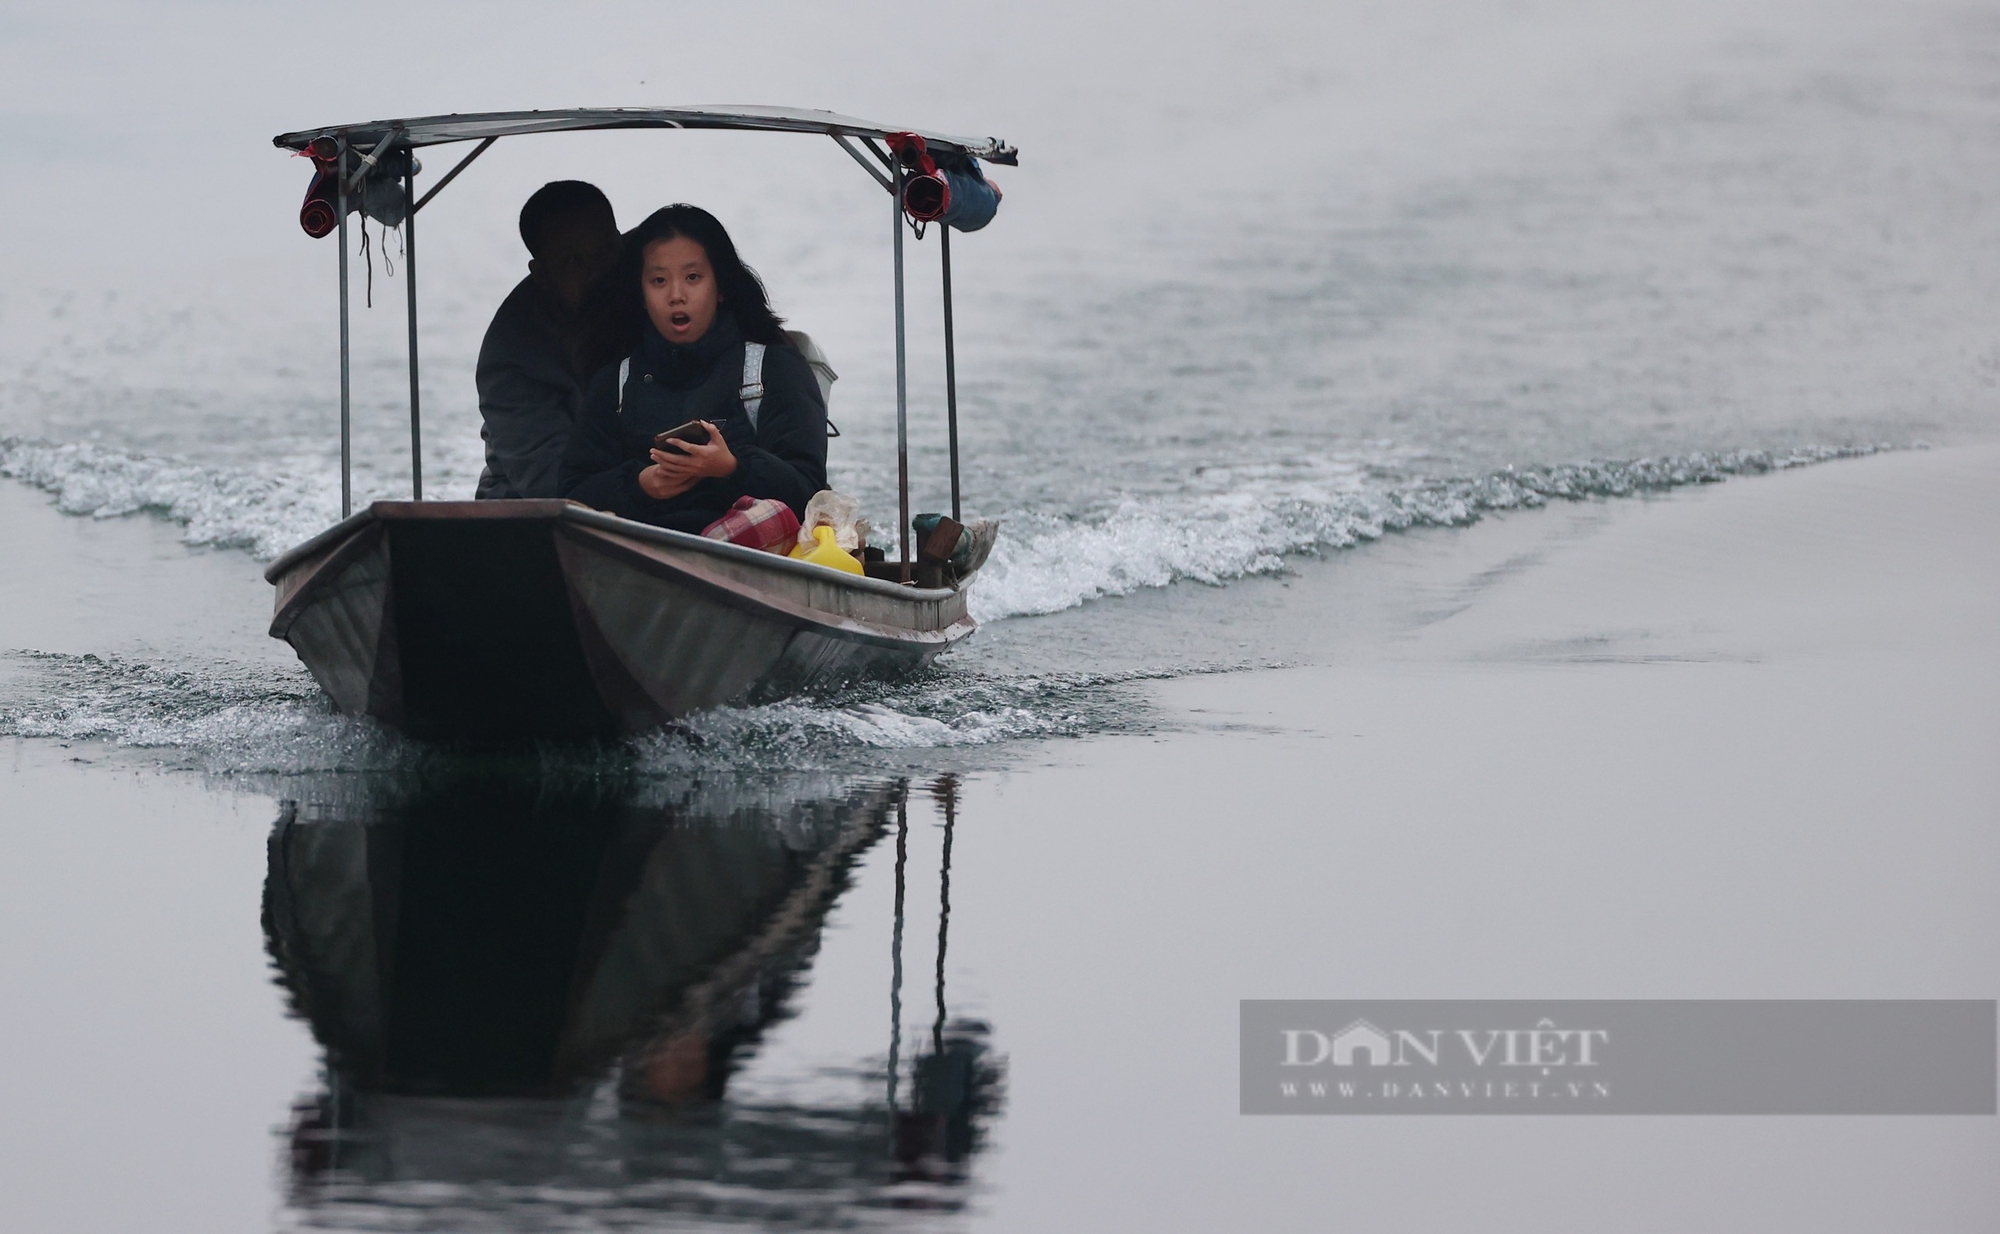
(656, 484)
(704, 462)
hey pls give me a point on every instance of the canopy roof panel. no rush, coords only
(476, 126)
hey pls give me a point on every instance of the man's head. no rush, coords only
(572, 237)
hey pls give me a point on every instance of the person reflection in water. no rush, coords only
(531, 372)
(672, 325)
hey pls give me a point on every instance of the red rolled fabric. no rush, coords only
(926, 193)
(317, 216)
(926, 196)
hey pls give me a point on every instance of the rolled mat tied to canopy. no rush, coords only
(947, 188)
(379, 195)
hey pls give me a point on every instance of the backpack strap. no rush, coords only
(752, 391)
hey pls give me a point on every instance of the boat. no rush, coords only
(547, 619)
(501, 620)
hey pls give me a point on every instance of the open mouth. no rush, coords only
(680, 320)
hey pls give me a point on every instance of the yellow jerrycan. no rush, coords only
(826, 553)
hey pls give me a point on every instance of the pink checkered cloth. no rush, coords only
(756, 522)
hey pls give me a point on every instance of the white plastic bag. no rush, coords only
(840, 512)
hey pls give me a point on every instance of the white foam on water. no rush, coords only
(222, 507)
(803, 727)
(235, 720)
(1263, 514)
(943, 709)
(213, 717)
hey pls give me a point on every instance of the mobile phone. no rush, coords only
(692, 431)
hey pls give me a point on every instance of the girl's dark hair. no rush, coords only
(616, 306)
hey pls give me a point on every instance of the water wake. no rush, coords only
(1229, 522)
(1252, 517)
(231, 720)
(264, 513)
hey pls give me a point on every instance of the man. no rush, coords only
(528, 375)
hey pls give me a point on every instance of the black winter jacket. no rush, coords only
(784, 457)
(528, 395)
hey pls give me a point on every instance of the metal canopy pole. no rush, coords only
(453, 173)
(862, 159)
(950, 372)
(902, 390)
(410, 280)
(346, 447)
(368, 159)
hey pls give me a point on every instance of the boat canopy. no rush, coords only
(478, 126)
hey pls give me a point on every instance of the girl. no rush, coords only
(680, 305)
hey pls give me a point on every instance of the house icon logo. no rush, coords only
(1363, 1038)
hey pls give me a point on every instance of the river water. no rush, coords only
(1268, 285)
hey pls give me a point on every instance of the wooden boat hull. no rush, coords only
(510, 619)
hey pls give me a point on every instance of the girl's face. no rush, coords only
(679, 288)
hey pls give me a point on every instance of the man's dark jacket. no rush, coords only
(783, 457)
(528, 395)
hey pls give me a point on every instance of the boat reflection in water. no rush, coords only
(533, 1001)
